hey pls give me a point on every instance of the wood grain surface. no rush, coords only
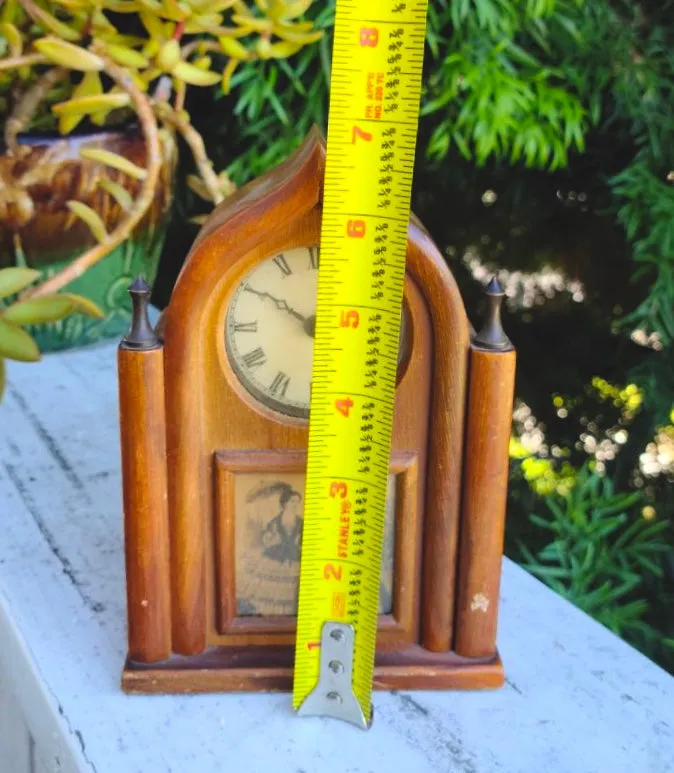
(485, 486)
(209, 413)
(146, 526)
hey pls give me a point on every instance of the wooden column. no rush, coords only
(485, 484)
(143, 443)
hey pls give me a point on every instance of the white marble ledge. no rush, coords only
(577, 699)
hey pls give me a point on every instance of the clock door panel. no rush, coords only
(259, 513)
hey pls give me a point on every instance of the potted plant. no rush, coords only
(92, 96)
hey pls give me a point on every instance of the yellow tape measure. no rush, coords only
(372, 128)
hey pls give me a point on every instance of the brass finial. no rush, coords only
(140, 335)
(492, 335)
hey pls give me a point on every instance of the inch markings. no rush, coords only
(373, 119)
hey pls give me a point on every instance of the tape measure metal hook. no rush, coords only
(333, 696)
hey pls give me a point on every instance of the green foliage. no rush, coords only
(600, 553)
(646, 210)
(495, 86)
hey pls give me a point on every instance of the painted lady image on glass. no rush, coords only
(270, 510)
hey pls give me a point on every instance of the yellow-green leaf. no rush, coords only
(212, 6)
(283, 49)
(193, 75)
(35, 311)
(254, 23)
(74, 5)
(51, 23)
(151, 48)
(152, 24)
(89, 86)
(91, 218)
(15, 279)
(82, 305)
(295, 8)
(101, 27)
(296, 36)
(13, 37)
(122, 6)
(16, 344)
(276, 9)
(168, 55)
(115, 161)
(67, 123)
(152, 5)
(231, 32)
(126, 56)
(92, 104)
(233, 48)
(118, 192)
(68, 55)
(211, 23)
(175, 11)
(227, 73)
(10, 11)
(263, 48)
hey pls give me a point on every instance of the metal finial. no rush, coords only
(492, 335)
(140, 335)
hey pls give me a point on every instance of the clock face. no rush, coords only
(269, 330)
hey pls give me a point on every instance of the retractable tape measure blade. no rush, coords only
(375, 91)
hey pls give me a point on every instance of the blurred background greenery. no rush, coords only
(546, 156)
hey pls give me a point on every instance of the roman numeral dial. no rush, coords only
(269, 330)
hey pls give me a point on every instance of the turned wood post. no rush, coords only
(140, 362)
(491, 387)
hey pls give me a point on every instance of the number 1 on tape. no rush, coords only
(372, 128)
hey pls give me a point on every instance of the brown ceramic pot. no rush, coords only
(35, 186)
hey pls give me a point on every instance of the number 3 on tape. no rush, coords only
(374, 112)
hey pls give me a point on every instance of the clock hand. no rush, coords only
(280, 303)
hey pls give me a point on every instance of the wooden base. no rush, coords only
(270, 669)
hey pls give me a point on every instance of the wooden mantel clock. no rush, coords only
(214, 429)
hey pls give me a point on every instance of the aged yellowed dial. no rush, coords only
(269, 330)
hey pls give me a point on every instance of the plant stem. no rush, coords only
(196, 144)
(142, 203)
(14, 62)
(19, 255)
(25, 108)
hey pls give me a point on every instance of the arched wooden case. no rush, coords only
(188, 429)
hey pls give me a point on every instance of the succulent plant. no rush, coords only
(65, 62)
(15, 342)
